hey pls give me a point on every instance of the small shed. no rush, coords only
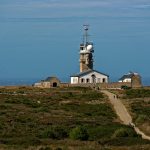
(126, 77)
(133, 78)
(49, 82)
(53, 81)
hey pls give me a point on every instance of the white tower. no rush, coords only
(86, 52)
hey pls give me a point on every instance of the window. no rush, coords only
(87, 80)
(82, 80)
(104, 80)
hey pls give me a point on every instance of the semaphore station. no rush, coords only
(89, 77)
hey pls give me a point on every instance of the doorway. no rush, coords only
(55, 84)
(93, 78)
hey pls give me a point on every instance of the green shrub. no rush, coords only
(55, 132)
(79, 133)
(101, 131)
(124, 87)
(124, 132)
(141, 119)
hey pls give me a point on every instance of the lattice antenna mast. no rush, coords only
(85, 37)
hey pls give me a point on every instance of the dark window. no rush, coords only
(104, 80)
(87, 80)
(82, 80)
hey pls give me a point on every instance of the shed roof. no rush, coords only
(51, 78)
(126, 76)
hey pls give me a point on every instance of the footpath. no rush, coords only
(123, 114)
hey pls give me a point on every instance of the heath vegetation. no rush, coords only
(63, 118)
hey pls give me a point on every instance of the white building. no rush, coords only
(89, 76)
(128, 77)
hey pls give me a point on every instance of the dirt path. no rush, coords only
(122, 112)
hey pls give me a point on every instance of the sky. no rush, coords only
(40, 38)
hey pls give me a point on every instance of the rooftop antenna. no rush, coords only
(86, 28)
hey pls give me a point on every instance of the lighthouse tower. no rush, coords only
(86, 52)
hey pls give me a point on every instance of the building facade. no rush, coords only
(90, 76)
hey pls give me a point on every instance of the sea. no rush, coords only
(24, 81)
(31, 81)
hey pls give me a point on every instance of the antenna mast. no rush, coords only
(86, 28)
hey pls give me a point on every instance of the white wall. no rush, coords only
(125, 80)
(74, 80)
(42, 84)
(99, 78)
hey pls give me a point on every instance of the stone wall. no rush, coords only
(136, 81)
(113, 85)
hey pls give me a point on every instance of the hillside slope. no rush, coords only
(65, 118)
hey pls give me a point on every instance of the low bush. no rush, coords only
(124, 87)
(141, 119)
(124, 132)
(54, 132)
(101, 131)
(79, 133)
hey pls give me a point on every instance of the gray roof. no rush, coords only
(51, 78)
(87, 72)
(129, 76)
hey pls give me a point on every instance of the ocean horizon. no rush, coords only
(31, 81)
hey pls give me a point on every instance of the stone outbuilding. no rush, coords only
(133, 78)
(49, 82)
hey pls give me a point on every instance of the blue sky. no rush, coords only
(39, 38)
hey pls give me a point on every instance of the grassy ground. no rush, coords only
(138, 102)
(61, 118)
